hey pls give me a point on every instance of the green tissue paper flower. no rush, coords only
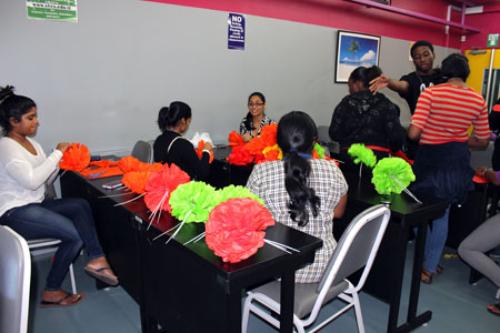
(232, 191)
(361, 154)
(193, 201)
(320, 150)
(392, 175)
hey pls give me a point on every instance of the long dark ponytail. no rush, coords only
(296, 135)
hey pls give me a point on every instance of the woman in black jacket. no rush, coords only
(172, 147)
(366, 117)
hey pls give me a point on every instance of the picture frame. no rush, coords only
(353, 50)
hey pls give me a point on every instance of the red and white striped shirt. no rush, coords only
(445, 112)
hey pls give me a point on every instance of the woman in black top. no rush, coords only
(172, 147)
(364, 117)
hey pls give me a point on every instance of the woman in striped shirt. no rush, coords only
(443, 115)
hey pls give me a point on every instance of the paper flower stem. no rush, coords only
(282, 247)
(195, 238)
(114, 195)
(175, 233)
(406, 190)
(128, 201)
(166, 232)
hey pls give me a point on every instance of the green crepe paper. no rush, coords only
(392, 175)
(232, 191)
(193, 201)
(361, 154)
(320, 150)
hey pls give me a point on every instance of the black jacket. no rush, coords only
(366, 118)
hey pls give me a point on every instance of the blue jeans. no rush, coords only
(69, 220)
(435, 241)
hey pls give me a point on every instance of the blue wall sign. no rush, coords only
(236, 32)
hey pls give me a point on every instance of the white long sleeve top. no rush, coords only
(23, 175)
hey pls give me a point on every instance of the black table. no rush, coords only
(386, 278)
(186, 288)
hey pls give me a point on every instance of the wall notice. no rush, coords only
(236, 32)
(54, 10)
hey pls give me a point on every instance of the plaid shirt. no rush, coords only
(268, 181)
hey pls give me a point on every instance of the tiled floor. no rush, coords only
(457, 307)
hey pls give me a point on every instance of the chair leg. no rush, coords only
(246, 314)
(72, 278)
(357, 310)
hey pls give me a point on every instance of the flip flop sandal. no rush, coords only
(101, 276)
(494, 308)
(68, 300)
(426, 277)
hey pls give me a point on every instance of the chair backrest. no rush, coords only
(143, 151)
(15, 276)
(356, 248)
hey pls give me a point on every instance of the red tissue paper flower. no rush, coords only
(136, 180)
(161, 184)
(235, 229)
(75, 158)
(269, 134)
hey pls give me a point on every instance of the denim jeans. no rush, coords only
(69, 220)
(435, 241)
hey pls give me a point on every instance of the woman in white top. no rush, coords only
(24, 172)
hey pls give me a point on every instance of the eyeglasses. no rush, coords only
(250, 105)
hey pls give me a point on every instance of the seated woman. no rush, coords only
(256, 118)
(24, 171)
(172, 147)
(303, 193)
(364, 117)
(485, 238)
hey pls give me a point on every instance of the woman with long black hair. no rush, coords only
(303, 193)
(24, 172)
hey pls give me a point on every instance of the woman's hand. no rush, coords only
(487, 173)
(208, 146)
(62, 146)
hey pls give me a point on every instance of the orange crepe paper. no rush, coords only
(75, 158)
(136, 180)
(199, 151)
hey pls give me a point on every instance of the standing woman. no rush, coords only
(24, 172)
(303, 193)
(442, 118)
(172, 147)
(256, 118)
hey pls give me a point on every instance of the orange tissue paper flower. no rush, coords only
(75, 158)
(269, 134)
(151, 167)
(199, 151)
(129, 163)
(272, 153)
(161, 184)
(235, 139)
(240, 156)
(136, 180)
(235, 229)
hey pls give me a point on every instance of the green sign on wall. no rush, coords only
(56, 10)
(493, 40)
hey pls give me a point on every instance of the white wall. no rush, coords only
(102, 81)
